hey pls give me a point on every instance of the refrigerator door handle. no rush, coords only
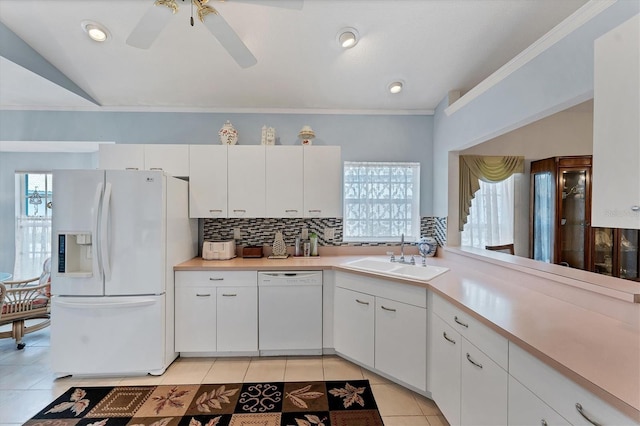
(104, 235)
(95, 212)
(105, 304)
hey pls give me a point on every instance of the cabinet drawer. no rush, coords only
(526, 409)
(216, 278)
(487, 340)
(560, 393)
(405, 293)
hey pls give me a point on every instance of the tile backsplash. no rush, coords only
(260, 231)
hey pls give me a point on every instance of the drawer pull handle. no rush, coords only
(216, 279)
(229, 294)
(203, 295)
(131, 168)
(447, 338)
(155, 168)
(543, 422)
(477, 364)
(291, 211)
(215, 211)
(361, 302)
(239, 211)
(581, 411)
(635, 208)
(387, 309)
(460, 322)
(315, 211)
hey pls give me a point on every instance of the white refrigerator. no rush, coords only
(116, 236)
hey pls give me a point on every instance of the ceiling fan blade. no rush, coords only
(229, 40)
(286, 4)
(150, 26)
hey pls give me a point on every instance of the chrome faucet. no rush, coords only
(402, 248)
(401, 260)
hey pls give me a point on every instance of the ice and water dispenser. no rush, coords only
(75, 254)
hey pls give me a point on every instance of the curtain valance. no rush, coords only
(474, 168)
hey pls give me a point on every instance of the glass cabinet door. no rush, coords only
(629, 255)
(573, 219)
(543, 216)
(603, 246)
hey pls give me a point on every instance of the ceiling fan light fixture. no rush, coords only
(348, 37)
(396, 87)
(95, 31)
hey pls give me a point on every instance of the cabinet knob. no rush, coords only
(635, 208)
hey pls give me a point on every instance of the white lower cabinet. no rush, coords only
(526, 409)
(237, 319)
(195, 319)
(574, 403)
(216, 311)
(484, 385)
(382, 325)
(353, 325)
(400, 347)
(469, 386)
(444, 368)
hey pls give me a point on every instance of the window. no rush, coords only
(491, 217)
(33, 223)
(381, 201)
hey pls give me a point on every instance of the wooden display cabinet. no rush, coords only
(560, 214)
(615, 252)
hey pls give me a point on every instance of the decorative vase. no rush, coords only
(279, 247)
(427, 246)
(228, 134)
(268, 136)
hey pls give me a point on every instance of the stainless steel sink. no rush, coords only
(385, 267)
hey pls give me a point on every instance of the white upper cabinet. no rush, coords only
(616, 128)
(208, 181)
(121, 156)
(246, 180)
(322, 181)
(284, 178)
(171, 158)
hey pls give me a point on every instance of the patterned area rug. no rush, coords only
(341, 403)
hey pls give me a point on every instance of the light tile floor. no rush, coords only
(27, 383)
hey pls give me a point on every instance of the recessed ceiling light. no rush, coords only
(396, 87)
(348, 37)
(95, 31)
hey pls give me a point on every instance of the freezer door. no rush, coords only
(76, 206)
(133, 237)
(107, 335)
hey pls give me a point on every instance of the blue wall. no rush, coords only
(362, 138)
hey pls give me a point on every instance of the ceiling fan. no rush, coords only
(158, 15)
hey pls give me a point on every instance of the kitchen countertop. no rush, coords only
(599, 352)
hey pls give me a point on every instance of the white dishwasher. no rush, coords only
(290, 313)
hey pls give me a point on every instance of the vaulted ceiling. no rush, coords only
(433, 46)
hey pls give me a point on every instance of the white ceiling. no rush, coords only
(432, 45)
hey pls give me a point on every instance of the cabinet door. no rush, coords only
(284, 181)
(208, 181)
(483, 397)
(444, 368)
(121, 156)
(246, 181)
(616, 128)
(195, 310)
(526, 409)
(401, 341)
(353, 327)
(322, 181)
(237, 319)
(171, 158)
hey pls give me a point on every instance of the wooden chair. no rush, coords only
(504, 248)
(25, 300)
